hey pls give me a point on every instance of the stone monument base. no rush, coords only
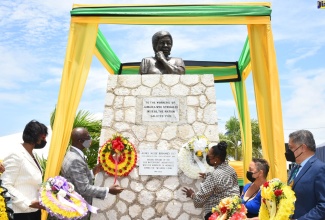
(156, 112)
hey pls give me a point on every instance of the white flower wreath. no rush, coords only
(191, 157)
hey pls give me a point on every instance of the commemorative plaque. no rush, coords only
(160, 109)
(158, 162)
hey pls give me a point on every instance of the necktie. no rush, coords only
(294, 173)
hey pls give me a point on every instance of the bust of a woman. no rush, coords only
(161, 63)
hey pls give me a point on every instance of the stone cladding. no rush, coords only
(155, 197)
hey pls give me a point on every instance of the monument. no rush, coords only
(161, 63)
(159, 113)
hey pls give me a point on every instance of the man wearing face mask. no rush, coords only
(75, 169)
(23, 176)
(307, 178)
(251, 196)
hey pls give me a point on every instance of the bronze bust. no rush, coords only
(161, 63)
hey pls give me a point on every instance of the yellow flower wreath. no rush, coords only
(60, 200)
(3, 212)
(278, 201)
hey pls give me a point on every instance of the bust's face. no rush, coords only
(165, 45)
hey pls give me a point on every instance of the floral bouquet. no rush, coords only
(277, 200)
(191, 157)
(229, 208)
(60, 200)
(117, 156)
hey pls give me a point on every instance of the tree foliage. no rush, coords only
(233, 138)
(86, 120)
(256, 139)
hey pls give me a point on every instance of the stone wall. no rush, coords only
(155, 197)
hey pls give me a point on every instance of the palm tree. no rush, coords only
(256, 139)
(233, 138)
(86, 120)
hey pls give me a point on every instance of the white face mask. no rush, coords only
(87, 143)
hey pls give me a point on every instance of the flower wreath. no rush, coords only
(117, 156)
(6, 213)
(278, 200)
(60, 200)
(3, 212)
(229, 208)
(191, 157)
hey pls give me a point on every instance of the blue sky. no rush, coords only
(33, 43)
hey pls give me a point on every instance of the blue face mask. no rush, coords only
(87, 143)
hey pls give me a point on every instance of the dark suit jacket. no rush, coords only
(75, 170)
(309, 187)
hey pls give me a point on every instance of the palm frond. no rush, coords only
(42, 162)
(87, 120)
(233, 138)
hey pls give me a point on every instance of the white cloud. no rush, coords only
(302, 53)
(303, 109)
(11, 98)
(14, 67)
(298, 22)
(190, 42)
(97, 80)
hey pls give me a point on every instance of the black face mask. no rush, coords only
(249, 176)
(290, 156)
(41, 145)
(208, 160)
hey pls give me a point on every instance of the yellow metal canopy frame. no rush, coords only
(258, 57)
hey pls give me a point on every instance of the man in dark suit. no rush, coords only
(309, 178)
(75, 169)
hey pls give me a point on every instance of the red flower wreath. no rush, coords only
(118, 156)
